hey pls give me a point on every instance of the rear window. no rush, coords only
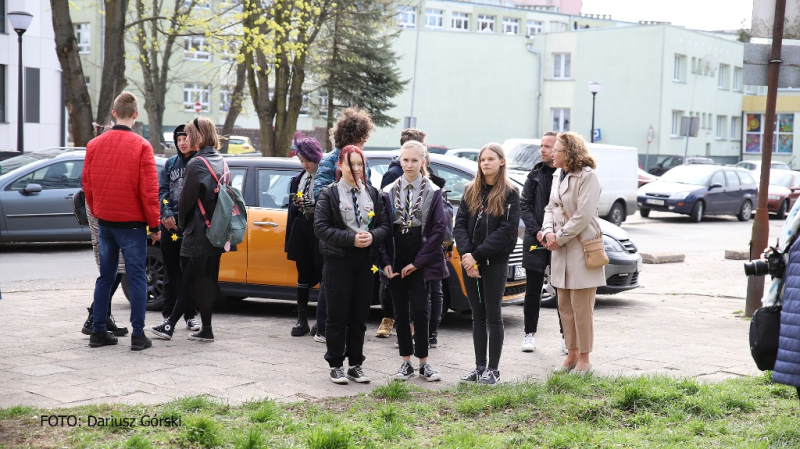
(236, 141)
(733, 180)
(745, 177)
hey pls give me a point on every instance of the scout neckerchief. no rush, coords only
(407, 211)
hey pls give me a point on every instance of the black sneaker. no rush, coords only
(204, 335)
(163, 330)
(356, 373)
(473, 375)
(489, 377)
(193, 324)
(140, 342)
(338, 377)
(405, 372)
(112, 327)
(301, 328)
(87, 325)
(433, 341)
(97, 339)
(427, 372)
(314, 329)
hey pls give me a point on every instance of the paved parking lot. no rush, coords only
(682, 322)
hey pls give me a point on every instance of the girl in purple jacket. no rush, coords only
(413, 255)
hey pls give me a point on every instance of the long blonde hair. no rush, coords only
(496, 201)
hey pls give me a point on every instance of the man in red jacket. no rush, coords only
(121, 186)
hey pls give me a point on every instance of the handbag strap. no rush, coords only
(579, 234)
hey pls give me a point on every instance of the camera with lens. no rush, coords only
(772, 265)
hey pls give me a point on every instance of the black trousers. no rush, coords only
(173, 279)
(436, 305)
(533, 301)
(485, 299)
(348, 293)
(203, 273)
(410, 295)
(309, 272)
(385, 296)
(114, 286)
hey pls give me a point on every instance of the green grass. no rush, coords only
(563, 411)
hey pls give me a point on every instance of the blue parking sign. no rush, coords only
(596, 133)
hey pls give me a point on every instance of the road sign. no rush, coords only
(597, 134)
(409, 122)
(198, 107)
(651, 134)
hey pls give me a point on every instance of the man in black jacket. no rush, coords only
(536, 258)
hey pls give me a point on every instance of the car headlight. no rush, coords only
(679, 195)
(774, 197)
(611, 245)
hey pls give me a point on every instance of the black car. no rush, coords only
(674, 161)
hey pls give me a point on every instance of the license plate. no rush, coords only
(639, 265)
(517, 272)
(656, 202)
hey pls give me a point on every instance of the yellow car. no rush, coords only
(240, 145)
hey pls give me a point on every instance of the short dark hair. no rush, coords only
(412, 134)
(352, 128)
(126, 105)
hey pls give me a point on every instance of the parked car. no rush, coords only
(674, 161)
(466, 153)
(700, 190)
(755, 166)
(784, 189)
(437, 149)
(240, 145)
(645, 178)
(616, 170)
(16, 162)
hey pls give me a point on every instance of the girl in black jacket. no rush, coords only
(486, 233)
(301, 245)
(351, 224)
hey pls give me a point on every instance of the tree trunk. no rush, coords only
(331, 108)
(113, 80)
(237, 98)
(78, 103)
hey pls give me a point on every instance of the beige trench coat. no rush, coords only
(577, 196)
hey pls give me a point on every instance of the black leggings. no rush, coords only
(309, 273)
(486, 305)
(436, 305)
(114, 286)
(174, 285)
(204, 272)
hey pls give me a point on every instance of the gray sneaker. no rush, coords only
(193, 324)
(405, 372)
(473, 375)
(338, 377)
(489, 377)
(427, 372)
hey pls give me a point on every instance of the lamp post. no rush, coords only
(20, 20)
(594, 88)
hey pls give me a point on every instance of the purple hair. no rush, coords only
(307, 147)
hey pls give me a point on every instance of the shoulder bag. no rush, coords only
(594, 254)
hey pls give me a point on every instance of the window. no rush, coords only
(456, 181)
(695, 65)
(676, 123)
(738, 76)
(460, 21)
(718, 178)
(783, 139)
(32, 95)
(510, 26)
(196, 92)
(406, 17)
(751, 90)
(679, 70)
(562, 65)
(722, 122)
(273, 188)
(723, 82)
(535, 27)
(225, 98)
(83, 37)
(2, 92)
(485, 23)
(195, 49)
(60, 175)
(323, 100)
(560, 120)
(736, 128)
(733, 180)
(434, 19)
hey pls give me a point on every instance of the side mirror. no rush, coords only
(715, 186)
(795, 189)
(31, 188)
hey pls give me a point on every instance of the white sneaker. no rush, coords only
(529, 343)
(564, 346)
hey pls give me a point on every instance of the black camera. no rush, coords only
(772, 265)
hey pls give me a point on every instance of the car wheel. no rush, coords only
(697, 212)
(746, 211)
(781, 214)
(549, 293)
(617, 214)
(156, 276)
(644, 212)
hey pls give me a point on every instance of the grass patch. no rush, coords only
(563, 411)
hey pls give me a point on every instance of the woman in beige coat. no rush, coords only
(571, 213)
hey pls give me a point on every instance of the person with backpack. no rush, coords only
(170, 185)
(486, 233)
(196, 208)
(351, 224)
(301, 245)
(413, 255)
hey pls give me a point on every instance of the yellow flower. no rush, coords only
(174, 237)
(299, 194)
(147, 228)
(165, 201)
(374, 269)
(475, 266)
(371, 214)
(533, 247)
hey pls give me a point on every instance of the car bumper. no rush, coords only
(665, 204)
(622, 272)
(774, 205)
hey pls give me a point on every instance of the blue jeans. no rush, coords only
(133, 243)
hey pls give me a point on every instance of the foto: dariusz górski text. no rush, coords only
(110, 421)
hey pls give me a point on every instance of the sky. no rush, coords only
(694, 14)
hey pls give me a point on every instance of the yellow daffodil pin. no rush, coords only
(165, 201)
(299, 194)
(174, 237)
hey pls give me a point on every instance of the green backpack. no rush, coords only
(229, 223)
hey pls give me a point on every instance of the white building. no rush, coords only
(44, 113)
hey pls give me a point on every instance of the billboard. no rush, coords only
(764, 17)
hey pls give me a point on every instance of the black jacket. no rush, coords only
(492, 239)
(299, 228)
(332, 232)
(199, 184)
(535, 196)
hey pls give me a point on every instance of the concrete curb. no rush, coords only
(656, 258)
(736, 254)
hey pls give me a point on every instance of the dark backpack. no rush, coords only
(450, 213)
(765, 328)
(229, 223)
(79, 208)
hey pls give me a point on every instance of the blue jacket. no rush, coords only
(326, 173)
(170, 184)
(787, 366)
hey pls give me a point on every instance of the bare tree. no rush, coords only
(237, 100)
(113, 78)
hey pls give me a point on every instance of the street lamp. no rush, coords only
(20, 20)
(594, 88)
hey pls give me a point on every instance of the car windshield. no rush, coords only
(17, 162)
(781, 179)
(522, 156)
(689, 174)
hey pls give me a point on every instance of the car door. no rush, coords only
(733, 192)
(233, 265)
(795, 188)
(266, 227)
(45, 215)
(716, 198)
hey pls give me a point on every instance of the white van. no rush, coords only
(616, 168)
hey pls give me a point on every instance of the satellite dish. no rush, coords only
(709, 63)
